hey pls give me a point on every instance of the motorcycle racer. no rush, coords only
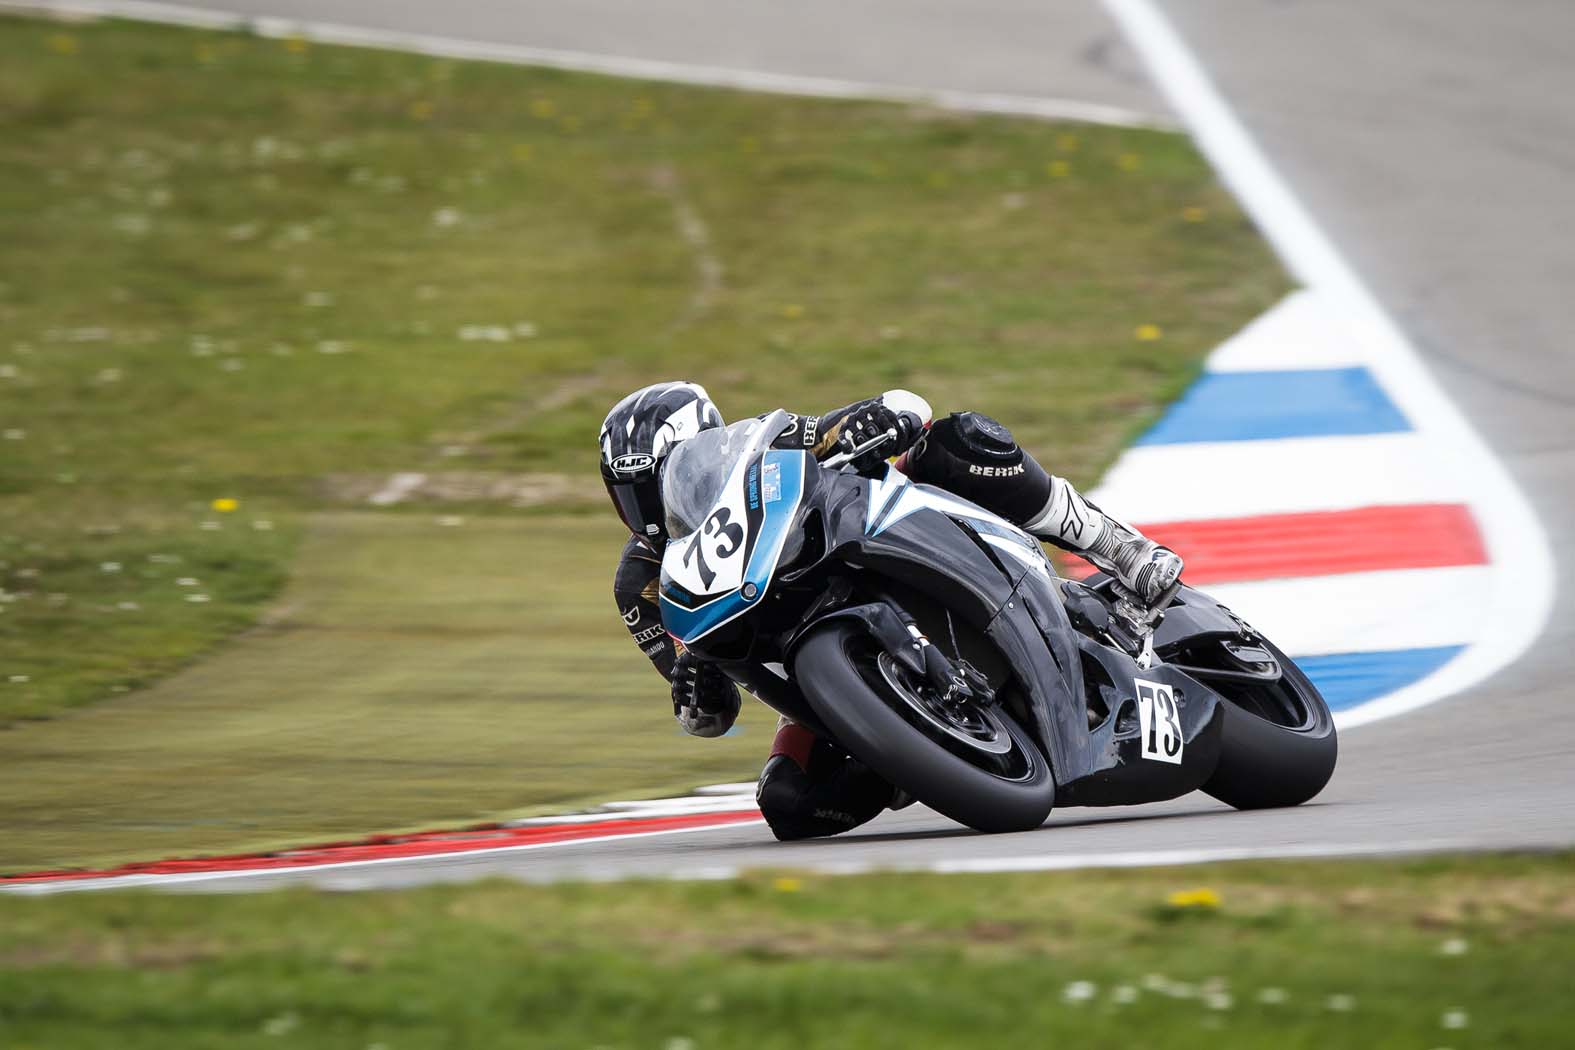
(809, 787)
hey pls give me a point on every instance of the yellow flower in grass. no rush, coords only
(1194, 213)
(224, 504)
(786, 884)
(1129, 162)
(296, 44)
(1058, 169)
(1202, 897)
(1146, 333)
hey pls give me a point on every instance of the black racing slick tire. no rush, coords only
(841, 673)
(1278, 744)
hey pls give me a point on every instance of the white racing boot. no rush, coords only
(1147, 570)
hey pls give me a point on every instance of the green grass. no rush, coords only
(1457, 952)
(251, 269)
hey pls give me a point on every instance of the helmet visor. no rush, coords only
(639, 504)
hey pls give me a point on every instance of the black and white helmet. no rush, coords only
(636, 436)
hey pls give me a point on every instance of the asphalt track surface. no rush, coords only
(1434, 142)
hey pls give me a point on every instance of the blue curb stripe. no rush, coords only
(1252, 406)
(1349, 679)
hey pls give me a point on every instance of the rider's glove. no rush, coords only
(870, 419)
(705, 701)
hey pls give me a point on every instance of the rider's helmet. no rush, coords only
(636, 436)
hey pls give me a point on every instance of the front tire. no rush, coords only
(1278, 745)
(1000, 783)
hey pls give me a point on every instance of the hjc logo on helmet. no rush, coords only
(632, 462)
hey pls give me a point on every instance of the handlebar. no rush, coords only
(842, 459)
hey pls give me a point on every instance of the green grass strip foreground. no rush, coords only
(271, 275)
(1454, 952)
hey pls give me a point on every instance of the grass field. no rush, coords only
(1420, 954)
(244, 281)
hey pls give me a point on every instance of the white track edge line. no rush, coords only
(1522, 598)
(1044, 108)
(961, 866)
(156, 880)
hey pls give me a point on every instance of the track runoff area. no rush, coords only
(1315, 478)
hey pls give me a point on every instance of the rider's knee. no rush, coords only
(978, 458)
(836, 795)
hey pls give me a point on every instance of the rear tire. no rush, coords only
(838, 667)
(1266, 764)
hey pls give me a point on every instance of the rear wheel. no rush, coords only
(1278, 746)
(972, 762)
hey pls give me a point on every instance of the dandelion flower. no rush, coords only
(1147, 333)
(792, 310)
(225, 504)
(786, 884)
(1202, 897)
(1129, 162)
(1058, 169)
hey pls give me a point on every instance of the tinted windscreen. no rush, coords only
(693, 476)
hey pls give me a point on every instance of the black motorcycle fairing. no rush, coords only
(994, 597)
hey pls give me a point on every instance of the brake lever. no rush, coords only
(842, 459)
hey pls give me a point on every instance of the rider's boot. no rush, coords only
(976, 457)
(810, 788)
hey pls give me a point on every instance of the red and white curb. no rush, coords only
(1409, 565)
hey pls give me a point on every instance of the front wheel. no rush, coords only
(973, 763)
(1278, 745)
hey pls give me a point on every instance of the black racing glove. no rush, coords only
(705, 701)
(870, 419)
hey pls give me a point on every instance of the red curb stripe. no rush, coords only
(1321, 543)
(419, 844)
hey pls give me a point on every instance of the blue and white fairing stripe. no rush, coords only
(780, 499)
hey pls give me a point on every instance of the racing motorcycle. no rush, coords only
(935, 642)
